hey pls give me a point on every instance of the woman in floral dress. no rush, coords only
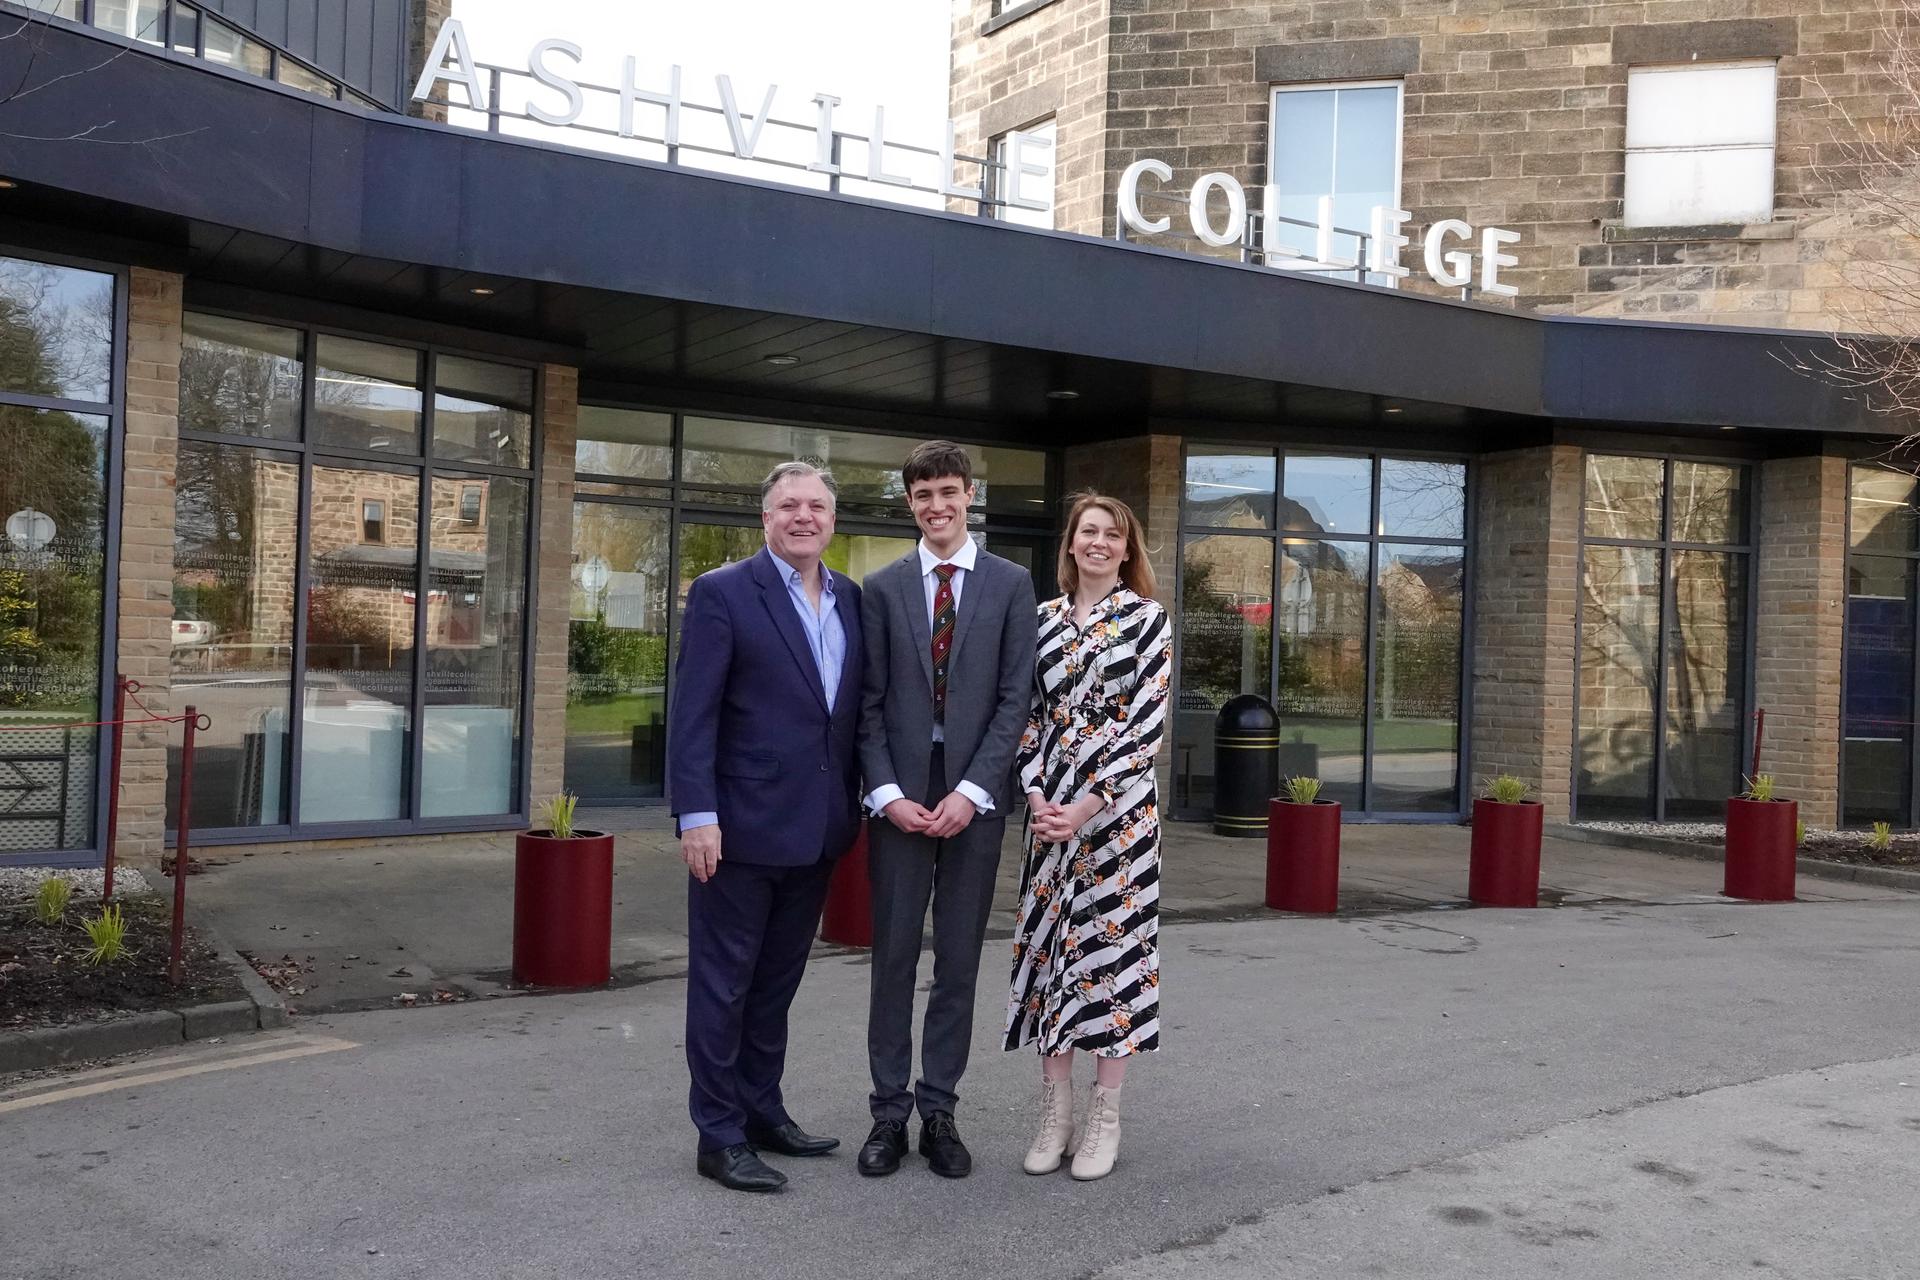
(1086, 961)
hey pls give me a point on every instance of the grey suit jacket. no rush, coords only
(989, 679)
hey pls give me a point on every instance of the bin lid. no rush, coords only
(1246, 713)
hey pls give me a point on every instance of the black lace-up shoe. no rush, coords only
(789, 1139)
(884, 1147)
(940, 1144)
(738, 1169)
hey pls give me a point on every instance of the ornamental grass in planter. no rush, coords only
(1762, 830)
(1303, 849)
(1503, 867)
(562, 902)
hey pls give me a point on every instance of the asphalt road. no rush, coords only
(1605, 1091)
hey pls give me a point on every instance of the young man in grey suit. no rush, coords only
(949, 631)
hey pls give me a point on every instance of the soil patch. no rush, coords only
(1854, 847)
(46, 981)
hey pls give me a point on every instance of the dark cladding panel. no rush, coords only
(363, 42)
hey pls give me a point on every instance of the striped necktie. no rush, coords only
(942, 638)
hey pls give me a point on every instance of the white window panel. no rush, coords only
(1699, 188)
(1700, 144)
(1726, 104)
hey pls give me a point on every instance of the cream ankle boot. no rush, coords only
(1099, 1136)
(1056, 1127)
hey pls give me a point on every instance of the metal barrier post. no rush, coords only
(119, 728)
(174, 965)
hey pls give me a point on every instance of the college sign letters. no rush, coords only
(548, 62)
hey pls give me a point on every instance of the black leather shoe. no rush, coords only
(738, 1169)
(789, 1139)
(884, 1147)
(940, 1144)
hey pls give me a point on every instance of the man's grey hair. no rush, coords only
(798, 470)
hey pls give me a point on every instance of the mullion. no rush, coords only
(1372, 663)
(1664, 561)
(423, 577)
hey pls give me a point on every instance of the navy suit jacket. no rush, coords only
(749, 735)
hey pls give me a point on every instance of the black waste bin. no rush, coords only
(1246, 742)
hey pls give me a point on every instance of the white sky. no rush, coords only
(867, 53)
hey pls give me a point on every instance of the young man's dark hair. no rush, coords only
(935, 460)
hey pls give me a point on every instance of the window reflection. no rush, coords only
(1709, 503)
(56, 331)
(1421, 498)
(356, 714)
(52, 575)
(1416, 682)
(239, 378)
(1328, 495)
(1226, 638)
(1706, 677)
(482, 412)
(1619, 666)
(1623, 497)
(366, 395)
(624, 442)
(476, 633)
(617, 652)
(232, 651)
(1322, 621)
(1229, 488)
(1878, 701)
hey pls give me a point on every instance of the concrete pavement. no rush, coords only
(1543, 1068)
(379, 920)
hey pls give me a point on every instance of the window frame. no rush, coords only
(1912, 557)
(114, 410)
(1373, 539)
(425, 467)
(1399, 86)
(1665, 546)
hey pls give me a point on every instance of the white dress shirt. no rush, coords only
(962, 561)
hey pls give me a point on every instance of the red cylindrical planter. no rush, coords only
(1503, 869)
(562, 909)
(848, 918)
(1303, 856)
(1760, 849)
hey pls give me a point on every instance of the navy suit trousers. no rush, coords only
(749, 931)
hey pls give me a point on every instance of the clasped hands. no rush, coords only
(1057, 823)
(948, 818)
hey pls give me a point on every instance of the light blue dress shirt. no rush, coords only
(826, 638)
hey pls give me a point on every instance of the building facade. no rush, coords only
(402, 485)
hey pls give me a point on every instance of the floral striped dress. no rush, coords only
(1086, 960)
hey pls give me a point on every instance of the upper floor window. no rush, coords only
(1700, 144)
(1023, 172)
(1340, 141)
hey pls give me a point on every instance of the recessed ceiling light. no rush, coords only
(7, 184)
(1391, 409)
(1063, 394)
(481, 291)
(1728, 428)
(782, 360)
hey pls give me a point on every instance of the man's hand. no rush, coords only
(1063, 822)
(908, 816)
(700, 846)
(951, 816)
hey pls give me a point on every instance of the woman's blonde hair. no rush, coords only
(1135, 573)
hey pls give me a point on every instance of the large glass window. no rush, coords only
(1029, 149)
(1340, 598)
(323, 562)
(1883, 546)
(662, 497)
(56, 420)
(1335, 141)
(1663, 638)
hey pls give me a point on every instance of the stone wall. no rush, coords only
(553, 567)
(1515, 116)
(1526, 566)
(145, 592)
(1051, 63)
(1801, 614)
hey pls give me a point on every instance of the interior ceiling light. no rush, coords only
(1392, 408)
(481, 291)
(1063, 394)
(782, 360)
(7, 184)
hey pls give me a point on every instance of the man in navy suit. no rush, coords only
(763, 781)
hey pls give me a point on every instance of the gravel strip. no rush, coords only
(1816, 837)
(23, 882)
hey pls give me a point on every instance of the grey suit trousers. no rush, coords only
(958, 875)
